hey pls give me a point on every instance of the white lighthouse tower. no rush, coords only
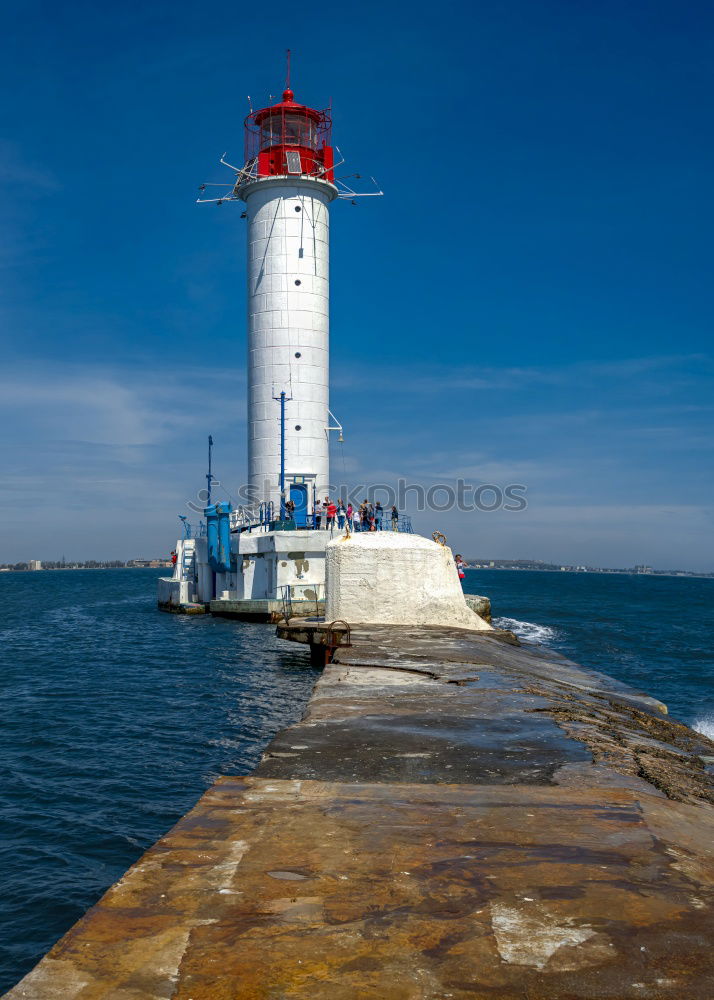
(287, 192)
(248, 559)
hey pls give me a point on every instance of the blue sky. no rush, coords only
(531, 301)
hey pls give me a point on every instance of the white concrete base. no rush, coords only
(391, 578)
(265, 562)
(269, 560)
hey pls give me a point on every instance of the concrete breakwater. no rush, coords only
(454, 817)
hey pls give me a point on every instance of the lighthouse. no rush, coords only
(274, 557)
(254, 557)
(287, 186)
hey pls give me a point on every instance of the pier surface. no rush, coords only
(454, 817)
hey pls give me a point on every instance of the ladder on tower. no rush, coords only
(188, 561)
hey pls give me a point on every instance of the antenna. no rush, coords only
(209, 477)
(287, 75)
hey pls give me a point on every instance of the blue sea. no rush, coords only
(653, 632)
(115, 717)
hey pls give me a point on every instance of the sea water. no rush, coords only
(116, 717)
(653, 632)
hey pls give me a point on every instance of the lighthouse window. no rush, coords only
(288, 130)
(298, 427)
(270, 132)
(298, 354)
(297, 208)
(299, 131)
(298, 282)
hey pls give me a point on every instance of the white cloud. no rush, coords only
(426, 379)
(97, 461)
(613, 535)
(15, 168)
(120, 408)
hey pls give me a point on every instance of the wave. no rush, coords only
(530, 631)
(705, 726)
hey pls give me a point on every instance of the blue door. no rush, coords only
(298, 495)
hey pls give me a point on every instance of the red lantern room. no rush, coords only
(289, 138)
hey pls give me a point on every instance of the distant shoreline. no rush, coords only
(77, 569)
(594, 571)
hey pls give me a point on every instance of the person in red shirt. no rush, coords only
(331, 509)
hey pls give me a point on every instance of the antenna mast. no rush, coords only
(209, 475)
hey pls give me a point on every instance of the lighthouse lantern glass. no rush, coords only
(288, 130)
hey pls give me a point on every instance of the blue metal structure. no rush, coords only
(223, 511)
(218, 532)
(212, 534)
(282, 398)
(298, 495)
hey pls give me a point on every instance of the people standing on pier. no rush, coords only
(350, 517)
(364, 515)
(378, 515)
(317, 514)
(174, 558)
(460, 567)
(340, 514)
(331, 510)
(395, 518)
(290, 509)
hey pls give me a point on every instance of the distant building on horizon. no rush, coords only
(35, 564)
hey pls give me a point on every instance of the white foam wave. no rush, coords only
(705, 726)
(530, 631)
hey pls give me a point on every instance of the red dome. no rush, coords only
(287, 104)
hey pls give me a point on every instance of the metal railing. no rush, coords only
(246, 518)
(402, 523)
(386, 523)
(193, 530)
(291, 593)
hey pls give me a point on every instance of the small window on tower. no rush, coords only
(292, 158)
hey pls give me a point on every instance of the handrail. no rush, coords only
(245, 519)
(310, 592)
(193, 530)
